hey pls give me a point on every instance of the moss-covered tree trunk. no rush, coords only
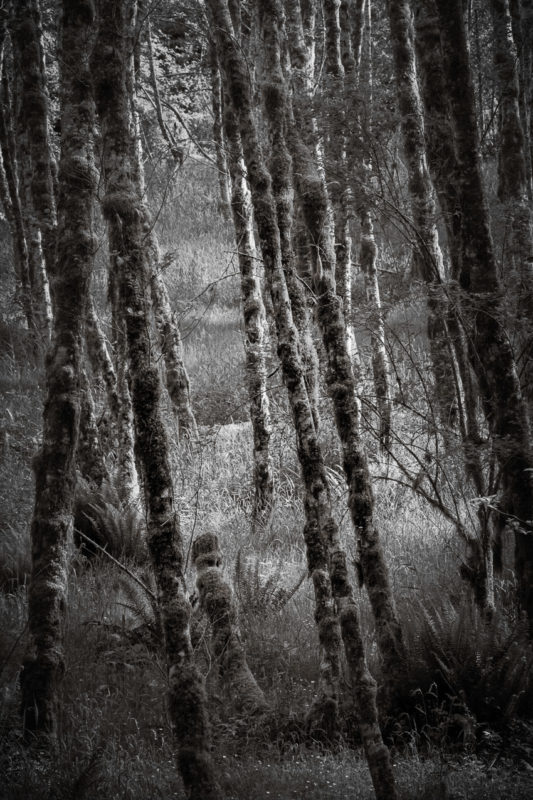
(342, 386)
(483, 308)
(10, 195)
(254, 318)
(27, 41)
(429, 259)
(55, 475)
(128, 225)
(513, 186)
(218, 603)
(359, 174)
(176, 376)
(445, 174)
(316, 498)
(326, 559)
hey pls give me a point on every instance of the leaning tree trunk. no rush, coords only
(218, 603)
(326, 559)
(428, 253)
(27, 40)
(342, 387)
(128, 225)
(176, 376)
(316, 498)
(483, 309)
(55, 474)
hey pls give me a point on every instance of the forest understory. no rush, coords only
(266, 470)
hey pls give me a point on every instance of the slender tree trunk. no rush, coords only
(128, 225)
(316, 498)
(342, 386)
(445, 174)
(327, 569)
(27, 40)
(218, 603)
(360, 173)
(55, 465)
(513, 185)
(218, 133)
(428, 253)
(483, 310)
(11, 199)
(254, 318)
(176, 376)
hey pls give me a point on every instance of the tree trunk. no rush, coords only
(254, 319)
(27, 40)
(428, 253)
(327, 569)
(342, 387)
(483, 309)
(11, 198)
(128, 225)
(218, 133)
(445, 174)
(316, 498)
(55, 474)
(513, 185)
(218, 603)
(171, 345)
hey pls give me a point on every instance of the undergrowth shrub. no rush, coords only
(466, 675)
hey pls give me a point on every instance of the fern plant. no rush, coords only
(466, 673)
(102, 519)
(257, 592)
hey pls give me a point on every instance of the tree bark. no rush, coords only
(483, 310)
(27, 40)
(55, 465)
(218, 603)
(218, 133)
(11, 198)
(316, 498)
(128, 225)
(176, 376)
(429, 259)
(254, 318)
(513, 186)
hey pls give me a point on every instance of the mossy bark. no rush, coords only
(176, 376)
(218, 603)
(342, 387)
(10, 195)
(90, 454)
(27, 40)
(316, 499)
(128, 225)
(428, 253)
(54, 466)
(445, 175)
(513, 186)
(483, 309)
(254, 319)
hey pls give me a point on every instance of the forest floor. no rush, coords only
(463, 724)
